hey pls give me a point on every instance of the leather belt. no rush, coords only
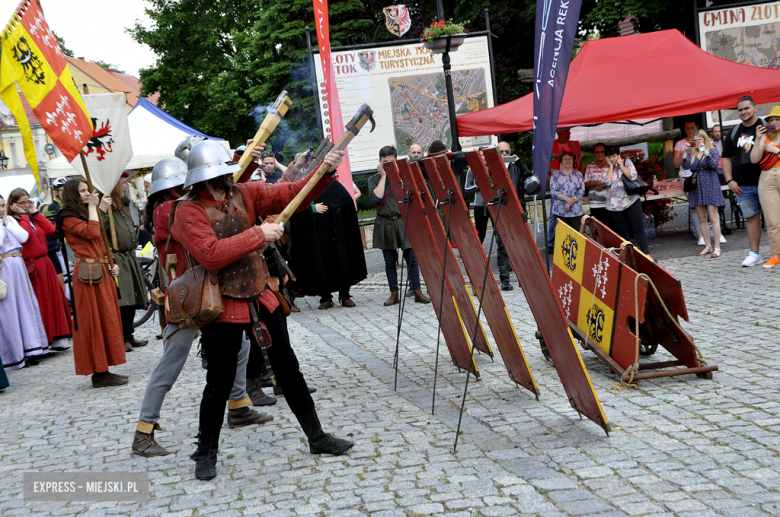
(395, 224)
(11, 255)
(93, 260)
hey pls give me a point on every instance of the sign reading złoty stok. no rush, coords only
(404, 85)
(746, 34)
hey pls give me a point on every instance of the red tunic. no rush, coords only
(161, 232)
(192, 228)
(98, 343)
(55, 312)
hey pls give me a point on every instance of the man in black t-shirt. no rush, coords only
(742, 175)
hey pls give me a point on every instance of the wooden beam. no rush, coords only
(631, 140)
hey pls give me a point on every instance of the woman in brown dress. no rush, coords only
(97, 340)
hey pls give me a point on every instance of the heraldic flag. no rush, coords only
(32, 58)
(109, 148)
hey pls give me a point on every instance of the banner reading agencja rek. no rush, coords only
(556, 28)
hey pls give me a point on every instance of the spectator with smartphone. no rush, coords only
(765, 152)
(690, 127)
(702, 159)
(742, 175)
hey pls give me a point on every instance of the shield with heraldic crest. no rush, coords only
(397, 19)
(367, 60)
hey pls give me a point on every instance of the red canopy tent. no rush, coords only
(643, 76)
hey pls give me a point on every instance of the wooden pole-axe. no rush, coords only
(279, 109)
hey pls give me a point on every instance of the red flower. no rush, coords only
(441, 25)
(465, 30)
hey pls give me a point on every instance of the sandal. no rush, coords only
(705, 251)
(716, 253)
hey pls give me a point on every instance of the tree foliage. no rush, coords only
(65, 50)
(220, 59)
(104, 65)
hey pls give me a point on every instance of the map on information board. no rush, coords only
(746, 34)
(755, 45)
(419, 105)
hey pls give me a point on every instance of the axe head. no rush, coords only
(358, 121)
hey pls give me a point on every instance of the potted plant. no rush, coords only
(434, 37)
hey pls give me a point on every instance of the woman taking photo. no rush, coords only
(567, 188)
(622, 205)
(701, 157)
(22, 335)
(766, 152)
(55, 312)
(131, 276)
(97, 342)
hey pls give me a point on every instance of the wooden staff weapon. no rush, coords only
(279, 109)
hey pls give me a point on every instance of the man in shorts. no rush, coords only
(742, 176)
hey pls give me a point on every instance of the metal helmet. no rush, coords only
(184, 147)
(207, 160)
(169, 172)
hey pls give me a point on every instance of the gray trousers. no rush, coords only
(176, 348)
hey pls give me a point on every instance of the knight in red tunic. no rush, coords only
(199, 225)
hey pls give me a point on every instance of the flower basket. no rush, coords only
(439, 45)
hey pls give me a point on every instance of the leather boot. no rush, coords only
(145, 445)
(106, 379)
(255, 392)
(139, 342)
(346, 301)
(128, 347)
(319, 441)
(393, 299)
(419, 297)
(205, 456)
(326, 303)
(244, 416)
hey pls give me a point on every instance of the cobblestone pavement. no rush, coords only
(679, 446)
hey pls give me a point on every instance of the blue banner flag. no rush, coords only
(556, 28)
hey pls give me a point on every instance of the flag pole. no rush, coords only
(102, 228)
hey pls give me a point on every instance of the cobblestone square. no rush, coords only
(680, 446)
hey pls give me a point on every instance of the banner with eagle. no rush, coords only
(109, 148)
(33, 60)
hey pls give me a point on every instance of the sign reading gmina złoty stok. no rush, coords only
(404, 85)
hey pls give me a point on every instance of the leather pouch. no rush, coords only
(90, 271)
(194, 299)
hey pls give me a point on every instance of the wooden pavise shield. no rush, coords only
(195, 298)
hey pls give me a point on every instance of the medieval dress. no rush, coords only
(45, 282)
(21, 329)
(97, 343)
(327, 249)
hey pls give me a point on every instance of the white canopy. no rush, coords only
(154, 134)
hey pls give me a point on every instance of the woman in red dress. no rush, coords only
(45, 282)
(97, 342)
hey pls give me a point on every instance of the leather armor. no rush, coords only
(247, 277)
